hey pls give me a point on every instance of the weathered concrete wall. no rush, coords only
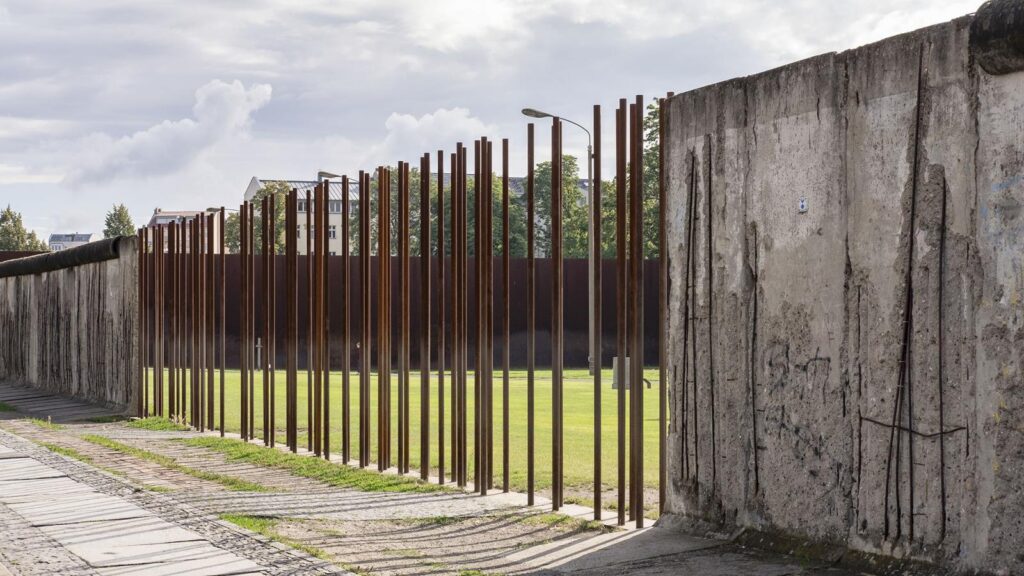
(73, 331)
(846, 320)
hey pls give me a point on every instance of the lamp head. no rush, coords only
(532, 113)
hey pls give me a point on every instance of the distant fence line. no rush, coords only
(576, 349)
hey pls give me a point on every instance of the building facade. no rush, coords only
(64, 241)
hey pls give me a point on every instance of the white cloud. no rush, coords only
(221, 111)
(409, 136)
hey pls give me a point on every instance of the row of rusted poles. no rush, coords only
(193, 305)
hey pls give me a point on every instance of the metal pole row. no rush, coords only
(183, 287)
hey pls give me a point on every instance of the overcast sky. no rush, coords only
(177, 104)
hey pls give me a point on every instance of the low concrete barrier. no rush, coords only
(69, 321)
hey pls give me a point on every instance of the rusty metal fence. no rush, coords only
(183, 283)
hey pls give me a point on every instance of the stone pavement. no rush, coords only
(59, 515)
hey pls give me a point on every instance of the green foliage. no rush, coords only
(5, 407)
(118, 222)
(14, 236)
(232, 224)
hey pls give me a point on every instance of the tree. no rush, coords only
(14, 236)
(232, 227)
(118, 222)
(574, 210)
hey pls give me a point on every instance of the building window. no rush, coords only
(332, 232)
(335, 206)
(298, 232)
(300, 206)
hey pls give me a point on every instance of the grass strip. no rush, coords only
(313, 468)
(44, 423)
(264, 526)
(229, 482)
(158, 424)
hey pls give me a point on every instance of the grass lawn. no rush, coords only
(578, 425)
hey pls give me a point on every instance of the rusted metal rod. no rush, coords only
(424, 347)
(556, 313)
(531, 317)
(596, 203)
(506, 324)
(621, 279)
(440, 314)
(346, 353)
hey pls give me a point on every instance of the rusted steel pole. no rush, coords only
(506, 324)
(171, 303)
(315, 301)
(488, 308)
(252, 317)
(531, 317)
(197, 397)
(621, 279)
(271, 345)
(181, 306)
(596, 203)
(223, 313)
(211, 323)
(291, 319)
(265, 313)
(346, 358)
(403, 317)
(631, 293)
(157, 372)
(455, 313)
(463, 313)
(425, 255)
(383, 299)
(141, 342)
(243, 249)
(201, 326)
(325, 323)
(556, 312)
(478, 441)
(637, 367)
(364, 309)
(309, 321)
(440, 314)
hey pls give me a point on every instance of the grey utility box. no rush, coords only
(615, 373)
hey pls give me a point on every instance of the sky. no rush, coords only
(176, 104)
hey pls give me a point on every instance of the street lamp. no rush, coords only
(534, 113)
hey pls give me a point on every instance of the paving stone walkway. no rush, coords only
(145, 518)
(59, 516)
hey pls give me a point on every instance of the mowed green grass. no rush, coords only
(578, 412)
